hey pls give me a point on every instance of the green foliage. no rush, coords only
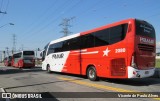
(158, 63)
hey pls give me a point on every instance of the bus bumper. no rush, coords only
(135, 73)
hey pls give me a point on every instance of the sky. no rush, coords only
(36, 22)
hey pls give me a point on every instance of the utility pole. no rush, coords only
(4, 55)
(14, 44)
(1, 56)
(22, 47)
(65, 26)
(7, 51)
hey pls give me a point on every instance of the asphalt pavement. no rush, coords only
(66, 87)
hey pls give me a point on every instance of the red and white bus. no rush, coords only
(23, 59)
(125, 49)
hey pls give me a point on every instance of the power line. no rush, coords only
(40, 18)
(34, 28)
(49, 22)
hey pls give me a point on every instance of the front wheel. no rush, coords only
(92, 74)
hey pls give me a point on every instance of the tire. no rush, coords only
(48, 69)
(92, 74)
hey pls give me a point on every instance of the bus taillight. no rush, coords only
(129, 27)
(133, 62)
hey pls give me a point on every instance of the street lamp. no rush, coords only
(6, 24)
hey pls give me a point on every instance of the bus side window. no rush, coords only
(87, 41)
(101, 37)
(118, 33)
(58, 47)
(74, 44)
(51, 49)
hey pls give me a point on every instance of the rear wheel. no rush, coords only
(92, 74)
(48, 69)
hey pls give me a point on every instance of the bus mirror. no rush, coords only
(42, 58)
(41, 54)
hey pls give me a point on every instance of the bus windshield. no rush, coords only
(144, 29)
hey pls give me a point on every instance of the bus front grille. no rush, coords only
(145, 47)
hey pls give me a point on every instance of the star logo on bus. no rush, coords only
(106, 52)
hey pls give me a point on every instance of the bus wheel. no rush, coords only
(91, 73)
(48, 69)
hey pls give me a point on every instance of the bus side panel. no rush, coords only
(72, 64)
(57, 61)
(94, 57)
(109, 61)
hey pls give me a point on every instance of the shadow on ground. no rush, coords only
(12, 70)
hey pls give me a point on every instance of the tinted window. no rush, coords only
(51, 49)
(74, 43)
(65, 46)
(87, 41)
(102, 37)
(99, 38)
(71, 44)
(58, 47)
(144, 29)
(18, 55)
(117, 33)
(28, 52)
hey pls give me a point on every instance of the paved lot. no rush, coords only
(36, 80)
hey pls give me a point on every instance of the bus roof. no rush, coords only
(65, 38)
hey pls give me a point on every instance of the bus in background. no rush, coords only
(7, 61)
(125, 49)
(23, 59)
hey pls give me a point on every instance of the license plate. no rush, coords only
(146, 72)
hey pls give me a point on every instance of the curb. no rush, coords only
(2, 90)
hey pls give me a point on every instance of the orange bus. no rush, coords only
(125, 49)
